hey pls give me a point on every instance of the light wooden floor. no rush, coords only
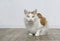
(18, 34)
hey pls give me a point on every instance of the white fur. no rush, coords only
(30, 33)
(34, 26)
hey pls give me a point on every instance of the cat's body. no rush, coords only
(35, 23)
(32, 27)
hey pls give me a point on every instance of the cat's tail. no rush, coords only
(39, 15)
(43, 20)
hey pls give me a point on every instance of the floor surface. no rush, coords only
(19, 34)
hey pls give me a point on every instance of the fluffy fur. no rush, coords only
(36, 24)
(43, 20)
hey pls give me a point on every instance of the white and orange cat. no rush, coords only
(35, 23)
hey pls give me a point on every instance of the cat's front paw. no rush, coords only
(37, 34)
(30, 34)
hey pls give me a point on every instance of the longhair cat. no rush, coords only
(35, 23)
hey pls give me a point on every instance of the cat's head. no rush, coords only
(30, 15)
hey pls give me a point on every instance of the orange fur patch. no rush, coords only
(43, 20)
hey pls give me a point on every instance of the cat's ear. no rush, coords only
(35, 11)
(25, 11)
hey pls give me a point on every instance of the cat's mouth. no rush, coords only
(30, 21)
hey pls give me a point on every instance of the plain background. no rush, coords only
(12, 12)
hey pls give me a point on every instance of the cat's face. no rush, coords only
(30, 15)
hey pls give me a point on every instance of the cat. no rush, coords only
(35, 23)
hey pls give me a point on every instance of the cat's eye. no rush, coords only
(27, 16)
(33, 16)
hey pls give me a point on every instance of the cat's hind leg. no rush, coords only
(43, 31)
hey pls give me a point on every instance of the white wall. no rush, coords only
(12, 11)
